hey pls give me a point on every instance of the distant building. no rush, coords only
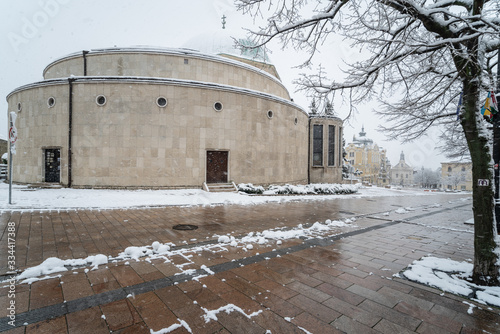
(456, 175)
(365, 156)
(402, 173)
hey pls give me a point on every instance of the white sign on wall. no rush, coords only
(483, 182)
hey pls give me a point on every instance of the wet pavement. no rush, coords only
(339, 282)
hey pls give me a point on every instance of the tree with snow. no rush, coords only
(421, 56)
(428, 178)
(454, 179)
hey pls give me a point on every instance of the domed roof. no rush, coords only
(224, 41)
(362, 140)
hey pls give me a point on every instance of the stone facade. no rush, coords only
(154, 117)
(326, 149)
(456, 175)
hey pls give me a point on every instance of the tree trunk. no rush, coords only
(486, 270)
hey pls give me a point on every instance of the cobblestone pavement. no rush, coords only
(339, 283)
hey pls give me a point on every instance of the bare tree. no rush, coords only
(453, 180)
(428, 178)
(452, 141)
(422, 54)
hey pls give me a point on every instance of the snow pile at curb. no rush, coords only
(28, 199)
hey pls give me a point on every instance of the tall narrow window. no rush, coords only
(341, 148)
(318, 145)
(331, 145)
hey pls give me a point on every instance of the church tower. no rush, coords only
(402, 173)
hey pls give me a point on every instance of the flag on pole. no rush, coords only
(459, 107)
(494, 104)
(490, 107)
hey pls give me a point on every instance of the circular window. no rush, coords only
(270, 114)
(19, 106)
(100, 100)
(295, 121)
(218, 106)
(161, 102)
(51, 102)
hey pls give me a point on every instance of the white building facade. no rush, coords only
(402, 173)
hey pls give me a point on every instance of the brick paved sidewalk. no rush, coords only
(339, 284)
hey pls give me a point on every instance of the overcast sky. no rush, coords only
(35, 32)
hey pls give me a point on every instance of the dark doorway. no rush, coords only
(52, 165)
(217, 166)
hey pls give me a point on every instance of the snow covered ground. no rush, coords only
(443, 274)
(24, 198)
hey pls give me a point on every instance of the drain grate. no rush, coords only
(185, 227)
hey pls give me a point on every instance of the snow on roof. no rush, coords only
(184, 51)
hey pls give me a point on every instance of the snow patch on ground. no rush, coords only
(451, 276)
(212, 314)
(173, 327)
(55, 265)
(279, 234)
(404, 210)
(165, 252)
(208, 316)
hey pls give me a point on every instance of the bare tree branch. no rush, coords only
(417, 57)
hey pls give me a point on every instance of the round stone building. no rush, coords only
(166, 118)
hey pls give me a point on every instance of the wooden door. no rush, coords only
(217, 163)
